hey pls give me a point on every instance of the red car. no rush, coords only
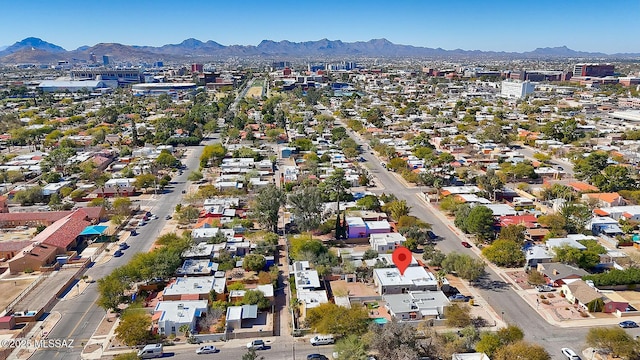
(466, 244)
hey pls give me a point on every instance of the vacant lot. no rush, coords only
(255, 92)
(10, 289)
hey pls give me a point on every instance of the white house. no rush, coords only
(416, 305)
(386, 242)
(415, 278)
(171, 315)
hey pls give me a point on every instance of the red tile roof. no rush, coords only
(48, 216)
(64, 232)
(528, 221)
(9, 246)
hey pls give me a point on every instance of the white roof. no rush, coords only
(190, 285)
(307, 279)
(180, 311)
(501, 209)
(312, 298)
(386, 239)
(199, 250)
(413, 275)
(355, 221)
(378, 225)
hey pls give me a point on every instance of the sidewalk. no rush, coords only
(523, 293)
(38, 332)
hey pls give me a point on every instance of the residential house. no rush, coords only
(114, 191)
(604, 225)
(415, 278)
(416, 305)
(356, 227)
(305, 278)
(169, 316)
(537, 254)
(237, 314)
(570, 240)
(197, 267)
(386, 242)
(580, 293)
(238, 295)
(63, 234)
(557, 274)
(501, 210)
(378, 227)
(606, 200)
(192, 288)
(45, 218)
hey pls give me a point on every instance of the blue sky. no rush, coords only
(516, 25)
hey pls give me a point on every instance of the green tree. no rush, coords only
(212, 153)
(399, 341)
(457, 315)
(369, 202)
(134, 326)
(122, 206)
(590, 166)
(195, 176)
(490, 183)
(127, 356)
(614, 340)
(450, 204)
(29, 196)
(576, 217)
(330, 318)
(145, 181)
(463, 265)
(505, 253)
(267, 206)
(254, 262)
(521, 350)
(489, 343)
(480, 222)
(513, 233)
(615, 178)
(256, 297)
(397, 209)
(165, 160)
(351, 347)
(252, 355)
(307, 207)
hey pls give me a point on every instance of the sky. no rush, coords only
(490, 25)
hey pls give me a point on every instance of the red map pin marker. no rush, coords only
(402, 258)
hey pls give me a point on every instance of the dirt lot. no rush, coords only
(11, 289)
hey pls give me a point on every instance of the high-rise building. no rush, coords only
(105, 60)
(197, 68)
(516, 89)
(92, 58)
(595, 70)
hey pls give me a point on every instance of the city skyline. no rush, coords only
(497, 25)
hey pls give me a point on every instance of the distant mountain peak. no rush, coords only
(32, 43)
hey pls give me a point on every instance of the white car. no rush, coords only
(570, 354)
(256, 344)
(209, 349)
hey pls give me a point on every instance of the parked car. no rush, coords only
(316, 357)
(466, 244)
(118, 253)
(545, 288)
(628, 324)
(459, 297)
(123, 246)
(168, 217)
(431, 235)
(257, 344)
(209, 349)
(184, 191)
(570, 354)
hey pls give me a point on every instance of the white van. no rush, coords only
(151, 351)
(322, 340)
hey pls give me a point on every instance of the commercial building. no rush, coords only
(596, 70)
(516, 89)
(110, 76)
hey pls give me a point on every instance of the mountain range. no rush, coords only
(35, 50)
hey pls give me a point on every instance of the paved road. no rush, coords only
(528, 152)
(494, 290)
(81, 316)
(277, 351)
